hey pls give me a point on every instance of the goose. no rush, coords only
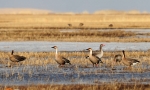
(110, 25)
(60, 59)
(16, 58)
(118, 58)
(129, 61)
(81, 24)
(94, 59)
(70, 25)
(99, 53)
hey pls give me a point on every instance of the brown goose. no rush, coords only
(129, 61)
(70, 25)
(81, 24)
(94, 59)
(110, 25)
(16, 58)
(118, 58)
(99, 53)
(60, 59)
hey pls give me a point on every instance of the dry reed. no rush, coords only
(44, 58)
(21, 21)
(111, 86)
(58, 35)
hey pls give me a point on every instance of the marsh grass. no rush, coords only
(44, 58)
(22, 21)
(47, 27)
(77, 58)
(57, 35)
(103, 86)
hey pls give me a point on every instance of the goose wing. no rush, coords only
(66, 60)
(99, 59)
(95, 53)
(19, 58)
(133, 61)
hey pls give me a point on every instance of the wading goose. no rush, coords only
(94, 59)
(60, 59)
(99, 53)
(16, 58)
(129, 61)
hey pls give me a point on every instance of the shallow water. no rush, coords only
(51, 74)
(45, 46)
(132, 30)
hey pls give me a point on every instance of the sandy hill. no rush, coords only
(23, 11)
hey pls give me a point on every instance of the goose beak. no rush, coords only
(86, 49)
(52, 47)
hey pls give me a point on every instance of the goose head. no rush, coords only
(123, 51)
(55, 47)
(89, 49)
(101, 45)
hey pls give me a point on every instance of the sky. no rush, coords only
(78, 5)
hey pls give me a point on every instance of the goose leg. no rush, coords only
(62, 65)
(97, 65)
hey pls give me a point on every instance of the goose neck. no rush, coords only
(12, 52)
(101, 48)
(56, 51)
(124, 54)
(90, 52)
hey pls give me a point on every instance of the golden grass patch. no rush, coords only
(103, 86)
(21, 21)
(73, 36)
(77, 58)
(47, 27)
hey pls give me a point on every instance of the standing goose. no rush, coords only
(129, 61)
(60, 59)
(94, 59)
(16, 58)
(99, 53)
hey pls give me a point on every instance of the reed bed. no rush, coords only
(79, 61)
(112, 86)
(44, 58)
(73, 36)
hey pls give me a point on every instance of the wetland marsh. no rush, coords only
(33, 37)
